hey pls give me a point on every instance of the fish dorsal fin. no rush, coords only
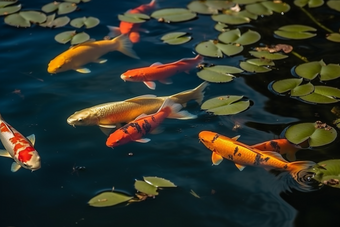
(15, 167)
(140, 97)
(236, 137)
(216, 158)
(271, 154)
(156, 64)
(240, 167)
(31, 138)
(5, 153)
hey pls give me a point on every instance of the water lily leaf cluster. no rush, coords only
(173, 15)
(88, 22)
(176, 38)
(267, 7)
(316, 134)
(53, 22)
(226, 105)
(5, 9)
(72, 36)
(25, 18)
(60, 7)
(218, 73)
(327, 172)
(313, 69)
(296, 31)
(148, 187)
(209, 7)
(310, 3)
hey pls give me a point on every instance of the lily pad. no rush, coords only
(249, 66)
(9, 10)
(327, 172)
(334, 37)
(234, 18)
(302, 90)
(7, 3)
(159, 182)
(80, 38)
(295, 32)
(51, 22)
(209, 48)
(323, 95)
(66, 7)
(286, 85)
(258, 9)
(234, 36)
(50, 7)
(146, 188)
(310, 70)
(218, 73)
(65, 37)
(17, 20)
(33, 16)
(221, 27)
(317, 134)
(173, 15)
(334, 4)
(229, 49)
(201, 7)
(89, 22)
(246, 2)
(106, 199)
(311, 3)
(276, 6)
(268, 55)
(225, 105)
(175, 38)
(133, 17)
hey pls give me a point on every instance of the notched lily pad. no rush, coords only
(159, 182)
(221, 27)
(146, 188)
(323, 95)
(173, 15)
(310, 70)
(286, 85)
(209, 48)
(311, 3)
(4, 3)
(80, 38)
(232, 18)
(234, 36)
(24, 18)
(253, 67)
(106, 199)
(218, 73)
(176, 38)
(225, 105)
(9, 10)
(327, 172)
(334, 4)
(268, 55)
(89, 22)
(133, 17)
(51, 22)
(66, 7)
(50, 7)
(295, 32)
(334, 37)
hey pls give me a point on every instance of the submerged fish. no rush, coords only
(108, 115)
(243, 155)
(132, 29)
(19, 148)
(144, 124)
(160, 72)
(91, 51)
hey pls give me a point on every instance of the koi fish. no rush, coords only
(90, 51)
(108, 115)
(160, 72)
(142, 125)
(243, 155)
(19, 148)
(132, 29)
(281, 146)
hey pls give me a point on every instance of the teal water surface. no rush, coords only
(77, 165)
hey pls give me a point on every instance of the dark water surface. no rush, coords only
(57, 194)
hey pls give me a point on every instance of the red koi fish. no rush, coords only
(243, 155)
(18, 147)
(132, 29)
(160, 72)
(281, 146)
(136, 129)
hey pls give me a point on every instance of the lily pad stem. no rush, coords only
(315, 21)
(299, 56)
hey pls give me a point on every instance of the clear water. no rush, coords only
(57, 194)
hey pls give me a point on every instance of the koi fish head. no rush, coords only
(83, 117)
(33, 163)
(208, 138)
(119, 137)
(132, 75)
(57, 65)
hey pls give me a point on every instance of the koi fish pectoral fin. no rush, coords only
(150, 84)
(31, 138)
(83, 70)
(143, 140)
(107, 129)
(236, 137)
(5, 153)
(216, 158)
(114, 31)
(100, 61)
(15, 167)
(166, 81)
(240, 167)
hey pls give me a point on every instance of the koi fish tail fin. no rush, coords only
(299, 171)
(175, 110)
(114, 31)
(125, 46)
(153, 4)
(196, 94)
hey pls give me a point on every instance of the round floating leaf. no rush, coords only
(159, 182)
(208, 48)
(173, 15)
(49, 21)
(258, 9)
(317, 134)
(234, 36)
(64, 37)
(133, 17)
(201, 7)
(91, 22)
(268, 55)
(334, 37)
(225, 105)
(221, 27)
(261, 62)
(50, 7)
(106, 199)
(6, 3)
(329, 72)
(175, 38)
(78, 22)
(146, 188)
(33, 16)
(308, 70)
(66, 7)
(334, 4)
(229, 49)
(246, 2)
(218, 73)
(302, 90)
(17, 20)
(80, 38)
(9, 9)
(327, 172)
(295, 32)
(276, 6)
(253, 68)
(323, 95)
(233, 19)
(60, 22)
(311, 3)
(285, 85)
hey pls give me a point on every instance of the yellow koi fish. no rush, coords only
(91, 51)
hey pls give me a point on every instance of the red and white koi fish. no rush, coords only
(135, 130)
(18, 147)
(243, 155)
(160, 72)
(132, 29)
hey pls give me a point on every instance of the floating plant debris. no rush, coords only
(327, 172)
(24, 18)
(9, 10)
(109, 199)
(133, 17)
(173, 15)
(310, 3)
(63, 7)
(218, 73)
(323, 95)
(89, 22)
(296, 32)
(311, 70)
(51, 22)
(225, 105)
(176, 38)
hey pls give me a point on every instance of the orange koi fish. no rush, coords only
(135, 130)
(19, 148)
(160, 72)
(281, 146)
(90, 51)
(132, 29)
(243, 155)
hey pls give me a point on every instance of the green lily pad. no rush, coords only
(9, 10)
(173, 15)
(17, 20)
(50, 7)
(159, 182)
(286, 85)
(33, 16)
(323, 95)
(225, 105)
(176, 38)
(221, 27)
(261, 62)
(7, 3)
(254, 68)
(66, 7)
(80, 38)
(246, 2)
(234, 36)
(311, 3)
(209, 48)
(302, 90)
(317, 134)
(218, 73)
(327, 172)
(65, 37)
(334, 37)
(276, 6)
(233, 18)
(295, 32)
(89, 22)
(334, 4)
(106, 199)
(229, 49)
(146, 188)
(133, 17)
(201, 7)
(310, 70)
(51, 22)
(258, 9)
(268, 55)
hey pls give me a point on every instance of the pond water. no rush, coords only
(77, 165)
